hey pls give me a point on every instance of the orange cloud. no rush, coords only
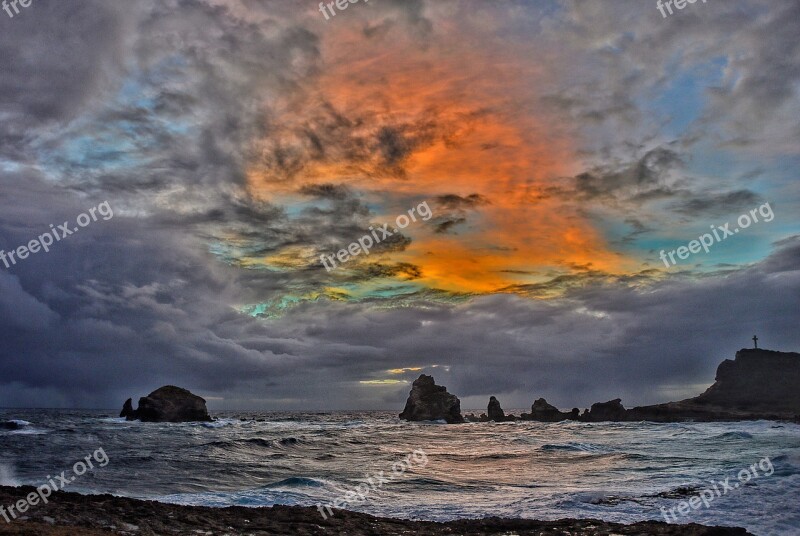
(461, 122)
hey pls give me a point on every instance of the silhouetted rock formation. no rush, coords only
(544, 412)
(168, 404)
(494, 411)
(613, 410)
(127, 410)
(758, 384)
(9, 425)
(430, 402)
(757, 380)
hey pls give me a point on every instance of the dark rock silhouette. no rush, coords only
(757, 380)
(127, 410)
(168, 404)
(544, 412)
(430, 402)
(613, 410)
(9, 425)
(494, 411)
(757, 384)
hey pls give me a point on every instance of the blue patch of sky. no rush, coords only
(683, 98)
(98, 144)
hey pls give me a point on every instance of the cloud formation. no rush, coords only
(238, 141)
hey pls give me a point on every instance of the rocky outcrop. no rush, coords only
(494, 411)
(757, 384)
(127, 410)
(756, 380)
(430, 402)
(544, 412)
(168, 404)
(613, 410)
(9, 425)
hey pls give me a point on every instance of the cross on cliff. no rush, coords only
(755, 341)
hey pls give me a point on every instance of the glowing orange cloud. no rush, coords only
(472, 126)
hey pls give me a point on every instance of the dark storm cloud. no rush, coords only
(154, 107)
(126, 305)
(622, 341)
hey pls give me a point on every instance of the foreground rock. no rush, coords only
(168, 404)
(430, 402)
(71, 514)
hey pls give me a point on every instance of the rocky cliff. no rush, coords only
(757, 384)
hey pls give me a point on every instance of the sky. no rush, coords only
(551, 150)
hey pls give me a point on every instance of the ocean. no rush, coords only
(621, 472)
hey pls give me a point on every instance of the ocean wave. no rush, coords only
(13, 424)
(485, 456)
(298, 482)
(233, 444)
(20, 427)
(573, 446)
(732, 435)
(219, 423)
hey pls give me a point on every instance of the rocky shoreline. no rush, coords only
(71, 514)
(757, 385)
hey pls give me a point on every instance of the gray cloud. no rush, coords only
(159, 107)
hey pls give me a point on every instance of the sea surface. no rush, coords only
(613, 471)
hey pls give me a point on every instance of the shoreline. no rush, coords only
(69, 513)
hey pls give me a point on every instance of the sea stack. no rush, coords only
(494, 411)
(430, 402)
(544, 412)
(168, 404)
(127, 410)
